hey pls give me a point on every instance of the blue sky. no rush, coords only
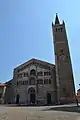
(25, 32)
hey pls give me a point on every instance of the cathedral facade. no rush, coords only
(40, 82)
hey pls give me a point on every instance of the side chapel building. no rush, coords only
(40, 82)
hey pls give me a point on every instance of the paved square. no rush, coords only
(35, 113)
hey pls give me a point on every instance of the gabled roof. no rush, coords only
(8, 82)
(43, 63)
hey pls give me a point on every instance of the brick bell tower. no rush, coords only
(64, 73)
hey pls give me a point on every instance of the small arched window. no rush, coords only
(61, 29)
(33, 72)
(32, 81)
(56, 29)
(61, 51)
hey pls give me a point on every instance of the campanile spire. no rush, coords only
(57, 20)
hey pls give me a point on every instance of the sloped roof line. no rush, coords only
(35, 60)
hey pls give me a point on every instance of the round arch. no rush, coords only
(17, 98)
(31, 95)
(48, 98)
(33, 72)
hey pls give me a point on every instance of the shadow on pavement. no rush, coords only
(22, 105)
(65, 109)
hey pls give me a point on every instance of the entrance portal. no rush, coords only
(48, 98)
(32, 95)
(32, 98)
(17, 99)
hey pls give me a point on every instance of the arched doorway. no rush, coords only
(17, 99)
(48, 98)
(32, 95)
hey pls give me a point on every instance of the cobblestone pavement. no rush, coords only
(35, 113)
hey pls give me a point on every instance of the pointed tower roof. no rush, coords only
(63, 22)
(52, 24)
(57, 19)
